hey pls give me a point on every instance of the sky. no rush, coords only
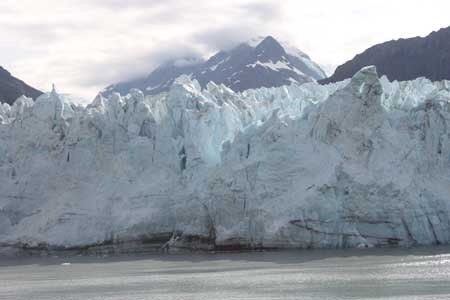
(85, 45)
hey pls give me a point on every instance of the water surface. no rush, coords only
(355, 274)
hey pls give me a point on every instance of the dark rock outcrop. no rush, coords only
(12, 88)
(403, 59)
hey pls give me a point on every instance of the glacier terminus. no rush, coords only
(359, 163)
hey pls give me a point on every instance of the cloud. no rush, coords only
(223, 38)
(264, 10)
(85, 45)
(187, 61)
(123, 68)
(130, 4)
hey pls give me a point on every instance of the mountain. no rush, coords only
(404, 59)
(262, 62)
(12, 88)
(359, 163)
(160, 80)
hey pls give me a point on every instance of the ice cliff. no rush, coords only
(364, 162)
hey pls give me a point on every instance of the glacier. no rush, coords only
(360, 163)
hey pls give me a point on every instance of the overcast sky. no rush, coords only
(84, 45)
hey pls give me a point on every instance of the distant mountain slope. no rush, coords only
(159, 80)
(404, 59)
(12, 88)
(262, 62)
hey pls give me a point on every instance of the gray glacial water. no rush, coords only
(354, 274)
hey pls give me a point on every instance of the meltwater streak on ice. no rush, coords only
(414, 274)
(360, 163)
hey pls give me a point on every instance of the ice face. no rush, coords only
(357, 163)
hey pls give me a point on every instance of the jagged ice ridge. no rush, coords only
(364, 162)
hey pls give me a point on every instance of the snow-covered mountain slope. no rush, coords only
(358, 163)
(158, 81)
(304, 62)
(261, 62)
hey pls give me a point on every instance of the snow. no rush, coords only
(363, 162)
(152, 87)
(271, 65)
(277, 66)
(214, 67)
(293, 51)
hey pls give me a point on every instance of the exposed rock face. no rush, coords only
(262, 62)
(12, 88)
(363, 162)
(404, 59)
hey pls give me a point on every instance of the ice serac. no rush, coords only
(359, 163)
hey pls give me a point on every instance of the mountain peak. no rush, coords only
(271, 45)
(259, 62)
(269, 40)
(264, 41)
